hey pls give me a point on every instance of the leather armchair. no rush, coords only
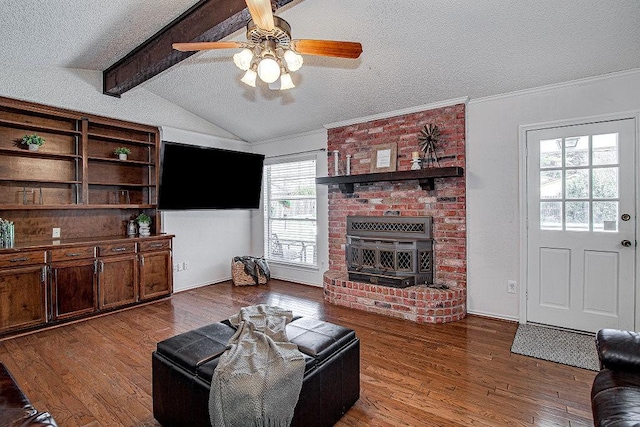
(615, 394)
(15, 408)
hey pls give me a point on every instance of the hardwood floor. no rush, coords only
(97, 372)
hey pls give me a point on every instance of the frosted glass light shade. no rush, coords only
(249, 78)
(293, 60)
(243, 59)
(286, 82)
(268, 70)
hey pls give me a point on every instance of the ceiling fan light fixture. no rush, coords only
(243, 59)
(268, 69)
(294, 61)
(249, 78)
(286, 82)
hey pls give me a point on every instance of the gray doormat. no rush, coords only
(557, 345)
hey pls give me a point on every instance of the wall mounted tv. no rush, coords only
(196, 177)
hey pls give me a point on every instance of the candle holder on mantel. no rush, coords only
(415, 161)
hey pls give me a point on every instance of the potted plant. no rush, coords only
(33, 141)
(122, 152)
(144, 224)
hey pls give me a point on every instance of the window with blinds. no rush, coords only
(290, 212)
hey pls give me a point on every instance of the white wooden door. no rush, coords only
(581, 236)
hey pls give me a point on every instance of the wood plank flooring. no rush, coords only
(97, 372)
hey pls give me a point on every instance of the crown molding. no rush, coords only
(389, 114)
(556, 86)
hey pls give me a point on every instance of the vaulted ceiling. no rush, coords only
(415, 52)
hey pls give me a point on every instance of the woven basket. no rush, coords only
(241, 278)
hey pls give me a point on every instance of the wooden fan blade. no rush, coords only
(187, 47)
(337, 49)
(261, 14)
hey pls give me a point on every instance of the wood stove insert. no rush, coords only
(390, 251)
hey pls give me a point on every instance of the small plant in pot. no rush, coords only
(144, 224)
(33, 141)
(122, 152)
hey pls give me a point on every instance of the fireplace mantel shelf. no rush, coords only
(425, 177)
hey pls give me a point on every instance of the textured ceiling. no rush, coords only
(415, 52)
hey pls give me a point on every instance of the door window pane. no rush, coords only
(605, 149)
(551, 184)
(605, 183)
(551, 215)
(577, 184)
(550, 153)
(577, 216)
(576, 151)
(605, 216)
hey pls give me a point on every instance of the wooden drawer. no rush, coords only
(116, 249)
(154, 245)
(67, 254)
(17, 259)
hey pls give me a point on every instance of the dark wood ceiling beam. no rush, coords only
(207, 20)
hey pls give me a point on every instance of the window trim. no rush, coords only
(279, 160)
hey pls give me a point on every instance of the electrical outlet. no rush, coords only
(56, 233)
(512, 286)
(185, 265)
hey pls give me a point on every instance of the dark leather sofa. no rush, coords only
(15, 408)
(615, 394)
(183, 367)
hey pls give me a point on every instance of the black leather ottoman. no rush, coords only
(183, 367)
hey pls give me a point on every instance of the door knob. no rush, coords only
(625, 243)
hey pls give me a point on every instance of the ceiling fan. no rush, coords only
(269, 52)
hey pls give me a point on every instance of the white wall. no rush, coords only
(493, 216)
(206, 240)
(307, 143)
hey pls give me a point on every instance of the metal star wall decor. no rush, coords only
(428, 137)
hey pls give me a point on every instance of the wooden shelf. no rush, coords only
(424, 177)
(73, 207)
(38, 154)
(39, 128)
(118, 161)
(120, 184)
(115, 138)
(44, 182)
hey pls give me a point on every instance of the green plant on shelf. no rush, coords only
(32, 139)
(122, 150)
(143, 219)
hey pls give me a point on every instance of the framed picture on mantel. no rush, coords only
(384, 158)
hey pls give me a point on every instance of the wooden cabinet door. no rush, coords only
(22, 297)
(117, 281)
(156, 274)
(73, 288)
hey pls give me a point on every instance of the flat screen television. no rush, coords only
(196, 177)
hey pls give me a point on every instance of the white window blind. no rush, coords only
(290, 212)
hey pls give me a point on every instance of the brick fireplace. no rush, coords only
(445, 300)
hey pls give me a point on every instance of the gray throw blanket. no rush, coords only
(258, 378)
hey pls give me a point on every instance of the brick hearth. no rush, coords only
(418, 304)
(446, 204)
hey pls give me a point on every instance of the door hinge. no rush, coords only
(526, 294)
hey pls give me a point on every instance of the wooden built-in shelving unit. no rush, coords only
(76, 183)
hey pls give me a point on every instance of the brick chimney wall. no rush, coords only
(446, 203)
